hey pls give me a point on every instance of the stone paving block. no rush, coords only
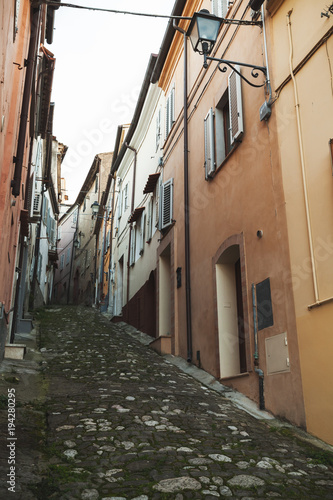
(142, 429)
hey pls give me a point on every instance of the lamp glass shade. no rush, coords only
(95, 207)
(204, 27)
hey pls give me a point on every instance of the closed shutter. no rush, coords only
(142, 233)
(220, 7)
(133, 246)
(235, 106)
(167, 204)
(37, 203)
(170, 112)
(149, 219)
(45, 210)
(158, 129)
(210, 162)
(120, 201)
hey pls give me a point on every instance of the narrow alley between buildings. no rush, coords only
(105, 417)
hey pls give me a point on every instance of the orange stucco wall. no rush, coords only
(307, 180)
(245, 195)
(11, 89)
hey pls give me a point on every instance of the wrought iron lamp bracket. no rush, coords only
(223, 63)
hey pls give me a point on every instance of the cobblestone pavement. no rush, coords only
(124, 423)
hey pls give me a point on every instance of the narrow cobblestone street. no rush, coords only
(124, 423)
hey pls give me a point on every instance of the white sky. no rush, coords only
(101, 60)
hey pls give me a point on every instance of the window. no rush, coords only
(39, 267)
(220, 7)
(149, 219)
(17, 8)
(125, 197)
(158, 129)
(45, 210)
(170, 112)
(62, 261)
(37, 201)
(120, 203)
(142, 233)
(223, 127)
(68, 256)
(166, 205)
(133, 245)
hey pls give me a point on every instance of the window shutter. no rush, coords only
(170, 112)
(142, 233)
(220, 7)
(45, 210)
(158, 129)
(167, 203)
(52, 231)
(37, 201)
(120, 202)
(235, 106)
(210, 162)
(133, 245)
(149, 219)
(48, 224)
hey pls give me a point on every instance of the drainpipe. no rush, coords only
(301, 150)
(186, 209)
(18, 159)
(111, 238)
(130, 229)
(256, 353)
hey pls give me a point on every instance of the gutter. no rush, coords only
(167, 40)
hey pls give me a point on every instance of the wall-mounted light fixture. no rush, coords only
(203, 31)
(95, 208)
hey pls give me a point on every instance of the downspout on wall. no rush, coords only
(256, 351)
(186, 210)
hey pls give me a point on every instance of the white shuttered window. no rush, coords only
(166, 203)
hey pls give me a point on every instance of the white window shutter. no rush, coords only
(235, 106)
(220, 7)
(158, 129)
(142, 233)
(37, 202)
(149, 219)
(133, 245)
(167, 204)
(210, 162)
(170, 112)
(120, 202)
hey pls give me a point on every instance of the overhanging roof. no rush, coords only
(151, 183)
(135, 214)
(167, 40)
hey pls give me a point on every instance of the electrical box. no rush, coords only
(277, 354)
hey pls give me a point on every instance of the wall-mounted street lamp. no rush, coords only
(95, 208)
(76, 243)
(203, 30)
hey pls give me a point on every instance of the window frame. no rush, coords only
(166, 205)
(170, 112)
(223, 126)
